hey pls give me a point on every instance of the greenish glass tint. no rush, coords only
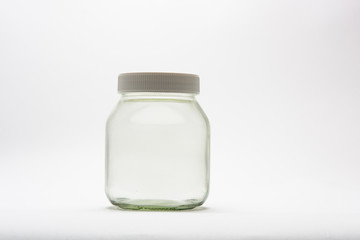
(157, 152)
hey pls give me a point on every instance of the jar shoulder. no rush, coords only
(158, 112)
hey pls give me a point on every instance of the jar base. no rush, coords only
(155, 204)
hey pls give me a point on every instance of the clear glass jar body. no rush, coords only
(157, 152)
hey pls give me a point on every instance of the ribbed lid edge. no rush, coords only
(158, 82)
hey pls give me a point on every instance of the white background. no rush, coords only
(280, 83)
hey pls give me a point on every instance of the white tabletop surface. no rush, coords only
(56, 201)
(208, 222)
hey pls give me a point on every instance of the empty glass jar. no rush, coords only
(157, 143)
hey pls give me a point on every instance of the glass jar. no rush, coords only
(157, 143)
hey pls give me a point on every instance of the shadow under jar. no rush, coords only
(157, 143)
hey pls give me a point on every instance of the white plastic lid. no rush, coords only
(158, 82)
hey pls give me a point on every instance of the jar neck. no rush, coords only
(158, 95)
